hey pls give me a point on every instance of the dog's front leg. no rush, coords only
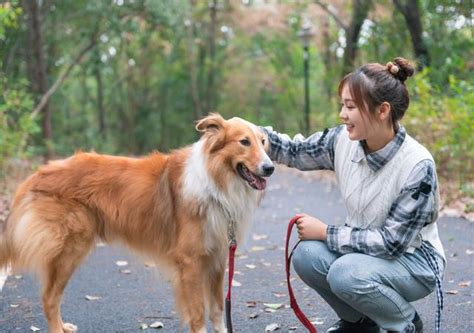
(216, 306)
(189, 290)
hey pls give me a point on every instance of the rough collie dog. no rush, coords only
(174, 208)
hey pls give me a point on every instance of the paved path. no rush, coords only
(135, 294)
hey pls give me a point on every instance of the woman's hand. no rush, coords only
(310, 228)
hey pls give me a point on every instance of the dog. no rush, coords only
(175, 208)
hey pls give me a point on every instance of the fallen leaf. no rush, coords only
(236, 283)
(464, 284)
(251, 304)
(92, 298)
(125, 271)
(272, 327)
(143, 326)
(253, 315)
(157, 324)
(121, 263)
(469, 252)
(292, 328)
(452, 292)
(317, 321)
(274, 306)
(259, 237)
(269, 310)
(34, 328)
(267, 264)
(250, 266)
(14, 305)
(257, 248)
(279, 295)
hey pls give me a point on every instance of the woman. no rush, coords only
(388, 253)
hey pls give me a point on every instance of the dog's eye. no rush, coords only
(245, 142)
(263, 142)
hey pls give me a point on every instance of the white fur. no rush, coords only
(238, 203)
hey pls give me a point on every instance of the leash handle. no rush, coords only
(228, 304)
(294, 305)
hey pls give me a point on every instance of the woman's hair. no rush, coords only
(372, 84)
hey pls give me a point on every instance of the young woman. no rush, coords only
(388, 252)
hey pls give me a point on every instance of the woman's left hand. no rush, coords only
(310, 228)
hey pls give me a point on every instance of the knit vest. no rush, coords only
(369, 194)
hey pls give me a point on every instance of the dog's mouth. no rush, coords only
(255, 181)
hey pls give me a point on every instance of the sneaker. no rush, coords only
(365, 325)
(416, 326)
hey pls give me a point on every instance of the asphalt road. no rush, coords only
(122, 298)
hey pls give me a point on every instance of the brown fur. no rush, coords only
(60, 211)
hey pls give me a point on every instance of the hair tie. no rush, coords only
(392, 68)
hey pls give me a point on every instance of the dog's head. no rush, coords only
(235, 147)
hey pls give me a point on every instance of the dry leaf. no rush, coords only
(292, 328)
(279, 295)
(469, 252)
(34, 328)
(269, 310)
(121, 263)
(251, 304)
(257, 248)
(274, 306)
(143, 326)
(464, 284)
(14, 305)
(250, 266)
(452, 292)
(259, 237)
(317, 321)
(125, 271)
(236, 283)
(253, 315)
(267, 264)
(157, 324)
(92, 298)
(272, 327)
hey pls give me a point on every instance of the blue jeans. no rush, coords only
(357, 285)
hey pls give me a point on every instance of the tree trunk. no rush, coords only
(411, 13)
(100, 96)
(38, 67)
(192, 65)
(210, 92)
(360, 10)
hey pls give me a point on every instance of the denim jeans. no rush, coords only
(357, 285)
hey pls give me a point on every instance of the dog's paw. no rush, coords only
(69, 328)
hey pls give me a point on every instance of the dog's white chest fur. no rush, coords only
(237, 204)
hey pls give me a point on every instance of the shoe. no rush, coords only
(365, 325)
(416, 326)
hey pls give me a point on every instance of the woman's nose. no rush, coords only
(342, 114)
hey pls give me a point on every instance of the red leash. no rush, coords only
(296, 309)
(232, 248)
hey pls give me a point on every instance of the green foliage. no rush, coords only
(16, 124)
(443, 120)
(8, 18)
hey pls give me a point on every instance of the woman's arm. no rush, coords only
(414, 208)
(313, 153)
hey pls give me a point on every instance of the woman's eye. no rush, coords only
(245, 142)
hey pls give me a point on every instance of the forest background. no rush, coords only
(130, 77)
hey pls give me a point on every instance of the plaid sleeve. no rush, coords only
(414, 208)
(313, 153)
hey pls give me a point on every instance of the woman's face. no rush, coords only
(357, 125)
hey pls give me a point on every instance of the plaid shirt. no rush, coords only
(409, 213)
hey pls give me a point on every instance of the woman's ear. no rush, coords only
(384, 111)
(213, 123)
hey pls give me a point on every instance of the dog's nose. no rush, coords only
(268, 169)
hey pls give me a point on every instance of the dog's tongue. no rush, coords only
(259, 183)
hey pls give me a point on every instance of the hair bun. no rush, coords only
(400, 68)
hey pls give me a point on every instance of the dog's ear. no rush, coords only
(213, 123)
(212, 128)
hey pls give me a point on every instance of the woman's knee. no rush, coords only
(312, 258)
(349, 274)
